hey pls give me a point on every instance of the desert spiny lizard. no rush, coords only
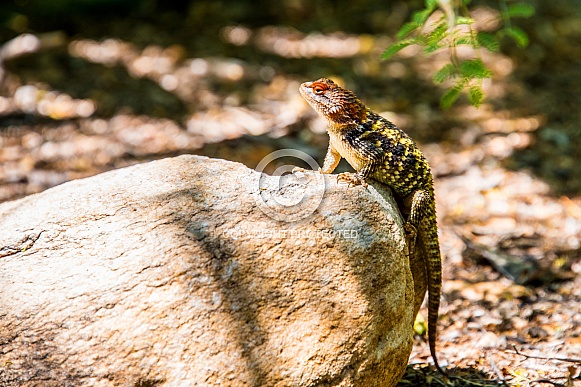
(379, 150)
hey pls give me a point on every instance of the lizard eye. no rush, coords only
(318, 89)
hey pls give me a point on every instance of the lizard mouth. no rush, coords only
(337, 105)
(320, 103)
(305, 89)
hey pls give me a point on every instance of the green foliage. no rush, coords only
(435, 39)
(451, 95)
(476, 95)
(394, 48)
(488, 41)
(420, 17)
(519, 36)
(407, 29)
(464, 20)
(465, 75)
(445, 73)
(520, 10)
(474, 68)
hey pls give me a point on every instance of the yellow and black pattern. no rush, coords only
(398, 161)
(378, 149)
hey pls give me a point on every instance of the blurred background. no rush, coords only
(100, 84)
(93, 85)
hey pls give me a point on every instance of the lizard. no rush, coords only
(377, 149)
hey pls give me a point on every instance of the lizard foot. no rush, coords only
(299, 170)
(411, 235)
(352, 179)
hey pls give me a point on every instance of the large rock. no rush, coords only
(176, 273)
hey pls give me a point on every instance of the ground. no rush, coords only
(508, 184)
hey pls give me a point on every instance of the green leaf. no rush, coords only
(520, 10)
(474, 68)
(476, 95)
(431, 4)
(406, 29)
(519, 36)
(420, 17)
(488, 41)
(465, 40)
(434, 39)
(396, 47)
(451, 96)
(432, 47)
(464, 20)
(444, 73)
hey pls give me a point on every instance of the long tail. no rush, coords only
(429, 239)
(423, 217)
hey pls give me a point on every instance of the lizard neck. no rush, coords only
(348, 119)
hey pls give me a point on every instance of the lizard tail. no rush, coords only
(429, 239)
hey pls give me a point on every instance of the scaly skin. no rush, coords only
(379, 150)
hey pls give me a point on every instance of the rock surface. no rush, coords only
(180, 272)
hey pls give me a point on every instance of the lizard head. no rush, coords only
(339, 106)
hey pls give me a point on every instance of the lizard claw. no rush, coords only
(352, 179)
(298, 170)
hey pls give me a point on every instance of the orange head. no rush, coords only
(339, 106)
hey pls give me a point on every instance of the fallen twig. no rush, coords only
(563, 359)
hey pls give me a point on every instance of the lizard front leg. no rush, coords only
(332, 159)
(357, 178)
